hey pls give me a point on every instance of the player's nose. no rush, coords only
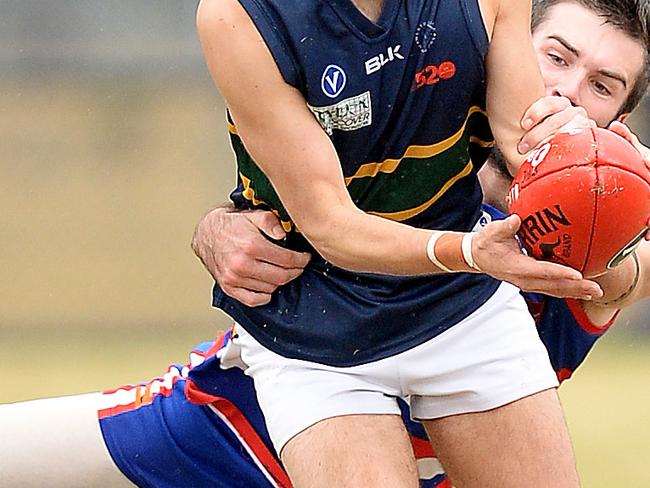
(569, 89)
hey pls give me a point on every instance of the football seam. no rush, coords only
(594, 213)
(594, 207)
(632, 174)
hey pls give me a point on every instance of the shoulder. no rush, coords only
(220, 18)
(233, 46)
(498, 11)
(501, 6)
(208, 9)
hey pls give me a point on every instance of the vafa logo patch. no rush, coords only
(333, 80)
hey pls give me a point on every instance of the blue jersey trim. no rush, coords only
(474, 19)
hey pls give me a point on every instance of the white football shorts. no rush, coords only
(489, 359)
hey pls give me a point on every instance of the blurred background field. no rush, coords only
(112, 145)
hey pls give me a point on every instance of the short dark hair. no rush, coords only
(632, 17)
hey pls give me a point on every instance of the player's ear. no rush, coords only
(623, 117)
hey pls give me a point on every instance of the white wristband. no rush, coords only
(431, 252)
(466, 247)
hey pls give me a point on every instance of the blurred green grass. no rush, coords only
(607, 403)
(607, 406)
(42, 363)
(101, 185)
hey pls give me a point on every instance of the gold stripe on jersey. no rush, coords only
(412, 212)
(249, 194)
(397, 189)
(416, 152)
(481, 142)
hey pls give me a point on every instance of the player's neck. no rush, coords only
(370, 8)
(495, 186)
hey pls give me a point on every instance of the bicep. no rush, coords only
(513, 76)
(272, 117)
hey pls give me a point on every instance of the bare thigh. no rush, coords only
(352, 451)
(525, 443)
(55, 442)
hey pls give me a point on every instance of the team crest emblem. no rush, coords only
(425, 34)
(333, 81)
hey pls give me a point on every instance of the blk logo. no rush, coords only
(333, 81)
(377, 62)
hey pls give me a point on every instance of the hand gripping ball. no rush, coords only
(584, 200)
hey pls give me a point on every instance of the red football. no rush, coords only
(584, 200)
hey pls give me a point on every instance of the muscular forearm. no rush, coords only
(354, 240)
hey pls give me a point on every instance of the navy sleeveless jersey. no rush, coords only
(403, 101)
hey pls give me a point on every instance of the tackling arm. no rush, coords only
(623, 286)
(233, 247)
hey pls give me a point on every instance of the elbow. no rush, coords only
(331, 238)
(323, 235)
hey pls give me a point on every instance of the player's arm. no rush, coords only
(520, 115)
(622, 286)
(620, 128)
(514, 80)
(234, 247)
(290, 146)
(287, 142)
